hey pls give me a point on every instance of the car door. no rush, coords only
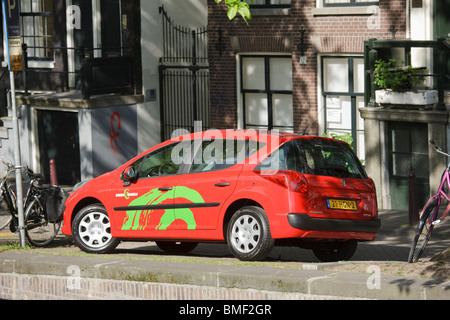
(211, 180)
(144, 206)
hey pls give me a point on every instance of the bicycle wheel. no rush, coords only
(423, 232)
(5, 215)
(38, 230)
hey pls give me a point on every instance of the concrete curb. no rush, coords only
(281, 283)
(23, 273)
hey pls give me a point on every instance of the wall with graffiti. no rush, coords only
(114, 137)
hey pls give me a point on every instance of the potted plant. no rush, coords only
(399, 84)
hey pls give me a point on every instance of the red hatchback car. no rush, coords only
(248, 188)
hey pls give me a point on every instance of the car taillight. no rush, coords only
(291, 180)
(372, 185)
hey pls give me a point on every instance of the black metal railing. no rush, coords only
(383, 49)
(114, 74)
(183, 77)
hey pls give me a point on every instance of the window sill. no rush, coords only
(270, 11)
(33, 64)
(74, 100)
(343, 11)
(41, 64)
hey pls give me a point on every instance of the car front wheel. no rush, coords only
(92, 230)
(248, 234)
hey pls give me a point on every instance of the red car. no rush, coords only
(248, 188)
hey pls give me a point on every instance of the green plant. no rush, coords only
(237, 6)
(398, 78)
(346, 137)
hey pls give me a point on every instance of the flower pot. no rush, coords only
(412, 98)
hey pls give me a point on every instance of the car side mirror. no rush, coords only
(130, 175)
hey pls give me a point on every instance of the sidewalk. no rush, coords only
(141, 271)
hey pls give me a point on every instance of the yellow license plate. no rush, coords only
(342, 204)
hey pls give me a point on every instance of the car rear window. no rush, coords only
(317, 157)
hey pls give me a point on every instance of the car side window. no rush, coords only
(219, 154)
(157, 163)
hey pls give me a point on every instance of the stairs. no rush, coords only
(5, 130)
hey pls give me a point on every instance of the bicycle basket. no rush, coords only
(54, 203)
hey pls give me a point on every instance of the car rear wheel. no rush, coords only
(248, 234)
(335, 251)
(92, 230)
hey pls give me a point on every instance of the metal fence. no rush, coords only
(184, 77)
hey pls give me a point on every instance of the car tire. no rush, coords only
(91, 230)
(248, 234)
(335, 251)
(176, 247)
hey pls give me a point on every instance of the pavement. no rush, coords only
(378, 270)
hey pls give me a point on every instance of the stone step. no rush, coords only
(7, 122)
(4, 133)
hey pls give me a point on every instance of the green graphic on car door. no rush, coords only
(137, 219)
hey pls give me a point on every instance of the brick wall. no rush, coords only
(326, 34)
(15, 286)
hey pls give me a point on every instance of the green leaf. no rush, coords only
(244, 11)
(235, 7)
(232, 11)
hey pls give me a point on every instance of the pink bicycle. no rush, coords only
(430, 213)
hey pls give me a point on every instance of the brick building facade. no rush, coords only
(333, 35)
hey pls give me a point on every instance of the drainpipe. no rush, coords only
(385, 189)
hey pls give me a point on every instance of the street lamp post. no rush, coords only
(11, 29)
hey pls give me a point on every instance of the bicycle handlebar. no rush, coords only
(28, 171)
(438, 149)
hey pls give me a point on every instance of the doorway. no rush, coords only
(408, 152)
(59, 140)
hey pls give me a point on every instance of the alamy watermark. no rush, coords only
(374, 21)
(73, 17)
(374, 281)
(73, 14)
(74, 280)
(225, 146)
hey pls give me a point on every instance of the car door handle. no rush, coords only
(165, 188)
(222, 184)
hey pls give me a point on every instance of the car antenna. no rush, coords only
(312, 121)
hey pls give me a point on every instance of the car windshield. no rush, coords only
(317, 157)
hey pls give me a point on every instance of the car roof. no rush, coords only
(251, 134)
(243, 134)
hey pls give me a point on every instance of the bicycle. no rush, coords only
(7, 198)
(430, 212)
(43, 207)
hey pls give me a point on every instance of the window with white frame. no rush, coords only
(266, 88)
(37, 18)
(343, 95)
(335, 3)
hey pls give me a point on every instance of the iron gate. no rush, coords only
(184, 78)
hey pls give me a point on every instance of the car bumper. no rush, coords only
(305, 222)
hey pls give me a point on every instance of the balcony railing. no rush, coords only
(92, 75)
(384, 49)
